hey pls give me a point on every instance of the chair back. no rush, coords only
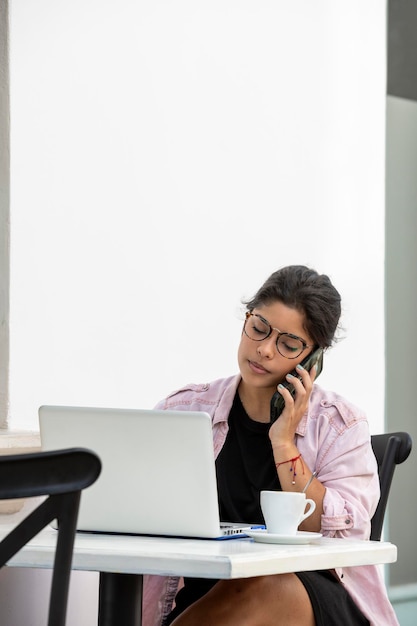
(390, 449)
(61, 475)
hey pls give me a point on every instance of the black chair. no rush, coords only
(390, 450)
(61, 475)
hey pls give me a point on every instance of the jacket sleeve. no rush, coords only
(347, 468)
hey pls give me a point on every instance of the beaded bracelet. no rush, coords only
(293, 462)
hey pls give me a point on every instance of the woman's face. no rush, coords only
(260, 363)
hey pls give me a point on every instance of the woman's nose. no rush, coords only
(267, 348)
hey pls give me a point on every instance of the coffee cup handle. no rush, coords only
(311, 509)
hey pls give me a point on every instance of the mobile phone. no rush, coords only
(277, 401)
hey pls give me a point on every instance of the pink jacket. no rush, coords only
(333, 437)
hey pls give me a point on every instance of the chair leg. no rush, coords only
(120, 599)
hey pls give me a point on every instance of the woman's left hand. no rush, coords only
(293, 471)
(282, 432)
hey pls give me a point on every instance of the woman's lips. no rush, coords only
(257, 368)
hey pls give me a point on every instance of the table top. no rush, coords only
(233, 558)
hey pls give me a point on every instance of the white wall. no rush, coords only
(166, 158)
(82, 600)
(4, 211)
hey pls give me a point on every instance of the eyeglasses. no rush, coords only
(288, 345)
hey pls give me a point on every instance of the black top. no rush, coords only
(244, 467)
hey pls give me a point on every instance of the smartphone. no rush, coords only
(277, 401)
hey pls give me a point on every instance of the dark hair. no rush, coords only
(311, 293)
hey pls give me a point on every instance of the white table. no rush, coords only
(122, 561)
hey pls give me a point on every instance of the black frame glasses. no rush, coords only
(305, 345)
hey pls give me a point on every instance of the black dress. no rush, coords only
(244, 467)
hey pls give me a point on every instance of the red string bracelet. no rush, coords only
(293, 462)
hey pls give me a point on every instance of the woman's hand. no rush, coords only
(282, 432)
(293, 472)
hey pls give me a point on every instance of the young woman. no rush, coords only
(320, 444)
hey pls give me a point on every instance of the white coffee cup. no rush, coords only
(284, 511)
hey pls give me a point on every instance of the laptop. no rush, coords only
(158, 471)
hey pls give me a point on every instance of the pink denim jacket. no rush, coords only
(333, 437)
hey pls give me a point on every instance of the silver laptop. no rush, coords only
(158, 475)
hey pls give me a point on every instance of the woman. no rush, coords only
(320, 444)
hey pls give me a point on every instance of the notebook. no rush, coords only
(158, 472)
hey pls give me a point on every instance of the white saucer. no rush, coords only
(265, 537)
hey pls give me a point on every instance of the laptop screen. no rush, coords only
(158, 473)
